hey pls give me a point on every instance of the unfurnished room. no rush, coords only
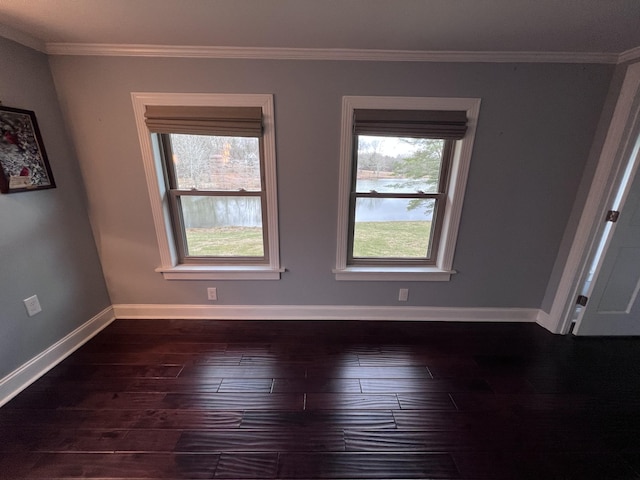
(319, 239)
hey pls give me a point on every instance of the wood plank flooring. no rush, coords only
(171, 399)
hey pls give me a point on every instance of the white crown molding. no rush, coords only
(22, 38)
(629, 55)
(25, 375)
(324, 312)
(126, 50)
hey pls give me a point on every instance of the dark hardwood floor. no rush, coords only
(330, 400)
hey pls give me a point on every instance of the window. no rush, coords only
(214, 182)
(210, 166)
(403, 172)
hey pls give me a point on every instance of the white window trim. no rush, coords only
(169, 263)
(442, 271)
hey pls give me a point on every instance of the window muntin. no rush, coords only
(397, 199)
(216, 194)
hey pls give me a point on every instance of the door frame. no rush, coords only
(604, 185)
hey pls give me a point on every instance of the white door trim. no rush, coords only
(600, 193)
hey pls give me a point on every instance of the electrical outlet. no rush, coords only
(33, 305)
(403, 295)
(212, 293)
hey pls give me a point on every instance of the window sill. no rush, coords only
(220, 272)
(405, 274)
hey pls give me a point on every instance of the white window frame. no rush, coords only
(170, 267)
(442, 270)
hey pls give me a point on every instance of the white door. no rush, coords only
(613, 306)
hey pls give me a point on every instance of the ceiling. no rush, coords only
(580, 26)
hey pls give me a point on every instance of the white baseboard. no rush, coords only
(29, 372)
(325, 312)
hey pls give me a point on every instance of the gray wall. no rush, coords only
(585, 185)
(46, 243)
(534, 136)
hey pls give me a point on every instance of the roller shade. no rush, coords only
(228, 121)
(410, 123)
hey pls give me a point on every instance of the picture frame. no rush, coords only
(24, 165)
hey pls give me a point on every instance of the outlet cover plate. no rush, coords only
(32, 305)
(212, 293)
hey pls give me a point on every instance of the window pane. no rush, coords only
(223, 226)
(398, 164)
(206, 162)
(392, 227)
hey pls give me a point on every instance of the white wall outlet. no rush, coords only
(33, 305)
(212, 293)
(403, 295)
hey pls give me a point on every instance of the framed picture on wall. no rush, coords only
(23, 160)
